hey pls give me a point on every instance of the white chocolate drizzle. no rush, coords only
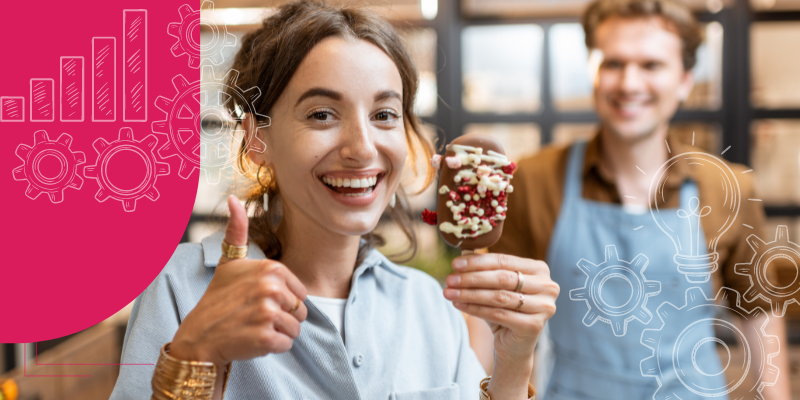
(487, 175)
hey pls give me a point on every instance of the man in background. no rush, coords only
(570, 203)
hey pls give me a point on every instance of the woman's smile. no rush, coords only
(353, 188)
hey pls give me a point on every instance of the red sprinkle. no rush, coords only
(510, 168)
(453, 196)
(429, 217)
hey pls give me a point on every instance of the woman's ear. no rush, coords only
(256, 140)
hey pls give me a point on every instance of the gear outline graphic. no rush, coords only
(30, 170)
(184, 31)
(145, 150)
(614, 267)
(779, 297)
(696, 302)
(183, 124)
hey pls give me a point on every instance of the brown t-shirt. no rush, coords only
(534, 206)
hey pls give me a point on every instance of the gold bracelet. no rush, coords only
(184, 380)
(485, 394)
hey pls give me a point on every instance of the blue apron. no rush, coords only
(600, 361)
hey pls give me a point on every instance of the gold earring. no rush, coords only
(264, 186)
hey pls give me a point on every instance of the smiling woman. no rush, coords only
(322, 106)
(294, 301)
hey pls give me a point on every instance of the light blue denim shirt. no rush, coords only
(403, 339)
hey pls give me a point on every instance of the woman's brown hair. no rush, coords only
(268, 59)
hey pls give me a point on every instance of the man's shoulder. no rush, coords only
(545, 161)
(707, 176)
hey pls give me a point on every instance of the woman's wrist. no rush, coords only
(510, 377)
(178, 379)
(189, 351)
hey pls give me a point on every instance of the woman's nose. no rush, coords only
(358, 142)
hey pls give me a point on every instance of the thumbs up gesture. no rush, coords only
(251, 307)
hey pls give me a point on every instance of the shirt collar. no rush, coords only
(212, 251)
(678, 173)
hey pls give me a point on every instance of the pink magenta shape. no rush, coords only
(71, 265)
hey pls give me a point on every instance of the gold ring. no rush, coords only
(296, 305)
(233, 252)
(521, 302)
(519, 282)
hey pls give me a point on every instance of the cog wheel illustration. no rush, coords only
(201, 132)
(41, 182)
(125, 143)
(184, 31)
(612, 305)
(765, 254)
(682, 373)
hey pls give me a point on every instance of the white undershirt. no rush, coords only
(333, 308)
(635, 208)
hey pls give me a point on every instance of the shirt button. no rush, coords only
(358, 360)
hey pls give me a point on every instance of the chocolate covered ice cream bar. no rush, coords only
(472, 193)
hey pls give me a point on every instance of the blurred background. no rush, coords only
(516, 70)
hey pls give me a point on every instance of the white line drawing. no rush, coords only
(43, 99)
(134, 65)
(205, 140)
(675, 359)
(104, 79)
(12, 109)
(46, 182)
(622, 310)
(696, 266)
(126, 143)
(72, 89)
(781, 248)
(724, 151)
(184, 31)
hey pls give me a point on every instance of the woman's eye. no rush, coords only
(385, 116)
(320, 116)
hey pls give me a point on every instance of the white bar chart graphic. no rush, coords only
(43, 99)
(104, 79)
(12, 109)
(72, 89)
(134, 71)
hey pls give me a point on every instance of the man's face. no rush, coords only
(640, 80)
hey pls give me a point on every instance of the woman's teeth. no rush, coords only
(354, 183)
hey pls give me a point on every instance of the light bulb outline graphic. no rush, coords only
(695, 266)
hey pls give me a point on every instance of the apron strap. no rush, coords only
(573, 186)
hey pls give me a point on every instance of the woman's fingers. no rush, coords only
(292, 282)
(501, 280)
(273, 288)
(287, 324)
(516, 321)
(495, 261)
(267, 341)
(236, 230)
(523, 303)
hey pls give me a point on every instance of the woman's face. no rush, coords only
(337, 142)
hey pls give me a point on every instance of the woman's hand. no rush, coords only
(244, 312)
(484, 286)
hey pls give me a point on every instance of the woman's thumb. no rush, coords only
(236, 231)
